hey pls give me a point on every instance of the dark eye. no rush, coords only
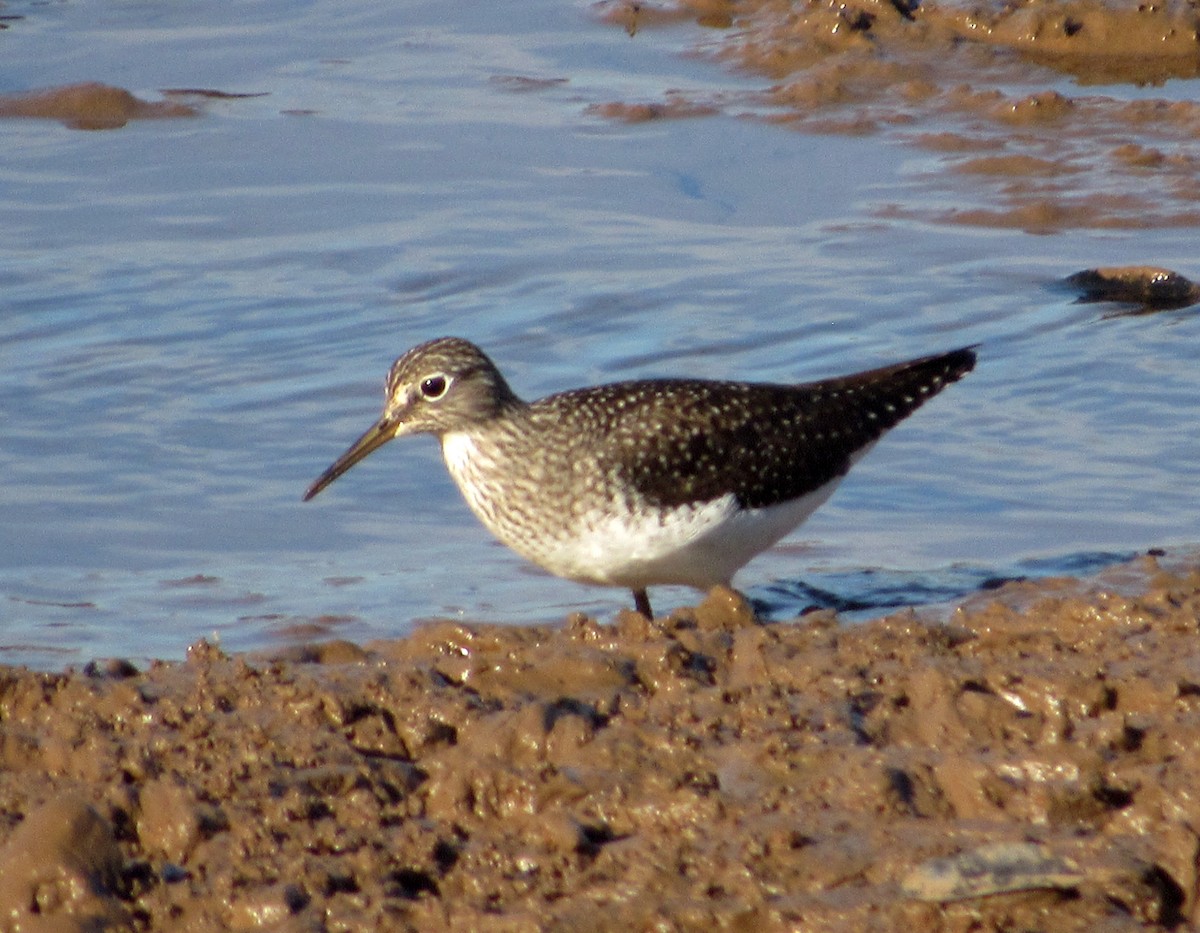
(434, 387)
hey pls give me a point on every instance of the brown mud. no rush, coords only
(90, 106)
(94, 106)
(1028, 762)
(1147, 288)
(1030, 104)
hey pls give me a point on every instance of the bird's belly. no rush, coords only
(700, 545)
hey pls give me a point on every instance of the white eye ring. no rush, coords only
(434, 387)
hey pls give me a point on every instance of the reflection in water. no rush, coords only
(859, 594)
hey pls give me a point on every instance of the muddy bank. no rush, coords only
(1040, 115)
(699, 772)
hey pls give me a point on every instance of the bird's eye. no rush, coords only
(433, 387)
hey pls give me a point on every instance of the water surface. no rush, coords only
(198, 315)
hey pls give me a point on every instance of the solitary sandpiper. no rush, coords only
(650, 482)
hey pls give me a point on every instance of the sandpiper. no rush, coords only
(642, 483)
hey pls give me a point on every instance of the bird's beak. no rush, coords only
(375, 437)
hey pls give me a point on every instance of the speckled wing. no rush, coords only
(767, 443)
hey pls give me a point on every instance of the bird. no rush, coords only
(648, 482)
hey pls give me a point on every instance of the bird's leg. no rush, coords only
(641, 602)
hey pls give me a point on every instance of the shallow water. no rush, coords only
(198, 315)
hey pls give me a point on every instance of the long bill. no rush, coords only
(375, 437)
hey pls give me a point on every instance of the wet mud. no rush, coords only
(94, 106)
(1026, 762)
(1146, 289)
(90, 106)
(1024, 109)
